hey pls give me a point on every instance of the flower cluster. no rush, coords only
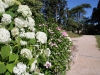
(4, 35)
(6, 19)
(5, 4)
(24, 10)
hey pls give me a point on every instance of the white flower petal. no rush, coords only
(4, 35)
(41, 37)
(6, 19)
(26, 53)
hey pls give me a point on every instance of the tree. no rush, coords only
(77, 14)
(96, 13)
(55, 9)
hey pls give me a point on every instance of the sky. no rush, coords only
(93, 3)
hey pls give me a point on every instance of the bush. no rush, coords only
(29, 49)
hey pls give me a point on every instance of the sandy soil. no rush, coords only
(87, 61)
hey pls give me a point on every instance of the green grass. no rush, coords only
(73, 35)
(98, 40)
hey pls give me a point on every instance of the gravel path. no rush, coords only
(87, 61)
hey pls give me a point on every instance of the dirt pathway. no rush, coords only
(88, 57)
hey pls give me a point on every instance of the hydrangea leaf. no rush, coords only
(32, 41)
(7, 73)
(5, 51)
(42, 59)
(18, 41)
(11, 25)
(31, 61)
(10, 13)
(13, 57)
(2, 68)
(10, 67)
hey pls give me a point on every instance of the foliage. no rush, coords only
(55, 9)
(72, 25)
(75, 16)
(29, 49)
(98, 39)
(95, 13)
(73, 35)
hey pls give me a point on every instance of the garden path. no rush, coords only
(87, 61)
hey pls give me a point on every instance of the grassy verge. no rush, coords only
(73, 35)
(98, 40)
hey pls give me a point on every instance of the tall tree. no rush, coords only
(96, 13)
(78, 11)
(77, 14)
(55, 9)
(98, 7)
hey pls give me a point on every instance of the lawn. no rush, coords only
(98, 40)
(73, 35)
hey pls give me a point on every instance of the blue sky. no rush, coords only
(93, 3)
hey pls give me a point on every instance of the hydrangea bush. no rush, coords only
(59, 44)
(29, 49)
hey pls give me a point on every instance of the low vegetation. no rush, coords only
(98, 40)
(73, 35)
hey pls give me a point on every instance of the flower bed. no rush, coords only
(29, 49)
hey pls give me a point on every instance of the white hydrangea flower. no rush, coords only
(30, 35)
(6, 19)
(20, 69)
(26, 53)
(23, 42)
(22, 30)
(33, 66)
(30, 22)
(32, 29)
(22, 34)
(9, 2)
(4, 35)
(47, 52)
(41, 37)
(20, 23)
(15, 31)
(25, 10)
(3, 4)
(2, 9)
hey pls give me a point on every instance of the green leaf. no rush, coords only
(32, 41)
(2, 68)
(10, 67)
(17, 2)
(0, 15)
(7, 73)
(34, 74)
(42, 59)
(18, 41)
(10, 13)
(13, 57)
(5, 51)
(31, 61)
(11, 25)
